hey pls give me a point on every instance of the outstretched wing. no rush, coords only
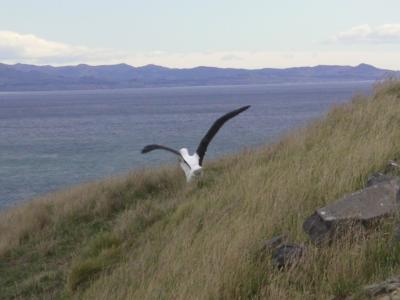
(152, 147)
(202, 148)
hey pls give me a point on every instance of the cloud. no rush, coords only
(387, 33)
(28, 48)
(230, 57)
(33, 49)
(273, 59)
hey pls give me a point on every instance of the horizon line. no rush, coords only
(195, 67)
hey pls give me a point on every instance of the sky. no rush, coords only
(183, 34)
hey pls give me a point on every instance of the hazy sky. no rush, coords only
(225, 33)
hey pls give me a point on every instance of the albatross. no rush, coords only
(192, 164)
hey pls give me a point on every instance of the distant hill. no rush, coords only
(20, 77)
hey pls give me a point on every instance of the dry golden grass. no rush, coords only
(150, 236)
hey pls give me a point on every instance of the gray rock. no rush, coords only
(269, 246)
(273, 243)
(385, 290)
(283, 254)
(287, 255)
(373, 202)
(389, 288)
(318, 229)
(378, 177)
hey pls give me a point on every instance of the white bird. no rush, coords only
(192, 164)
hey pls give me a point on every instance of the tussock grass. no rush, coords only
(149, 235)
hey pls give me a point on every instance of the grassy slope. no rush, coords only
(149, 235)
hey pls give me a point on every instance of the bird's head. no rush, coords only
(195, 173)
(197, 170)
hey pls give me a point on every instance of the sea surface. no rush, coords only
(53, 140)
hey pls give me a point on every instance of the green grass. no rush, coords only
(149, 235)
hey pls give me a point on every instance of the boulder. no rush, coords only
(287, 255)
(388, 289)
(380, 198)
(318, 229)
(378, 177)
(283, 254)
(272, 244)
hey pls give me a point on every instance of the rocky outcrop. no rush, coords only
(287, 255)
(380, 198)
(376, 178)
(385, 290)
(283, 254)
(388, 289)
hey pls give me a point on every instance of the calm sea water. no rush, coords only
(52, 140)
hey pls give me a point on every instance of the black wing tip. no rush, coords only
(147, 148)
(243, 108)
(239, 110)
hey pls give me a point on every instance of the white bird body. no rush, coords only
(190, 164)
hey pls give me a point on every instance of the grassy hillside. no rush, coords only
(149, 235)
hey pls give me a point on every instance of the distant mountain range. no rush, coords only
(23, 77)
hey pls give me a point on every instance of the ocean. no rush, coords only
(53, 140)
